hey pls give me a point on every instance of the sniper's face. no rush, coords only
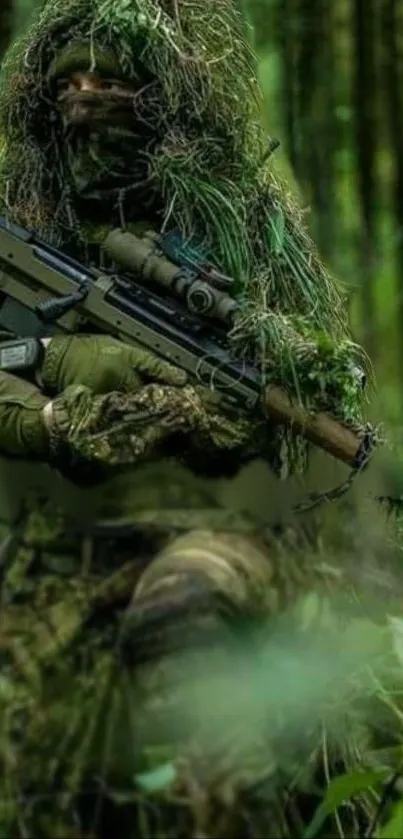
(87, 97)
(109, 126)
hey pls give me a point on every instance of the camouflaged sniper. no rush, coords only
(69, 710)
(200, 166)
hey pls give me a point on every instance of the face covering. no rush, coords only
(107, 135)
(105, 159)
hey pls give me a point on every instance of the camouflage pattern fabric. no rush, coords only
(63, 587)
(118, 429)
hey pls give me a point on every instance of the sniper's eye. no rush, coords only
(114, 84)
(109, 83)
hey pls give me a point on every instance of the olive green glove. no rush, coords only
(102, 364)
(23, 431)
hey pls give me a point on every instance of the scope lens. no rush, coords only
(200, 299)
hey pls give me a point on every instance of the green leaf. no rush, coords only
(344, 113)
(340, 790)
(310, 609)
(157, 779)
(393, 829)
(396, 627)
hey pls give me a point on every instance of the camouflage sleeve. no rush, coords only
(22, 428)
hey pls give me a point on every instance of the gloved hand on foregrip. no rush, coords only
(122, 429)
(102, 364)
(23, 430)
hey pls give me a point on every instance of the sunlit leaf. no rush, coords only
(393, 829)
(157, 779)
(340, 790)
(344, 113)
(396, 626)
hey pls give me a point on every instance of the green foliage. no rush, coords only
(393, 829)
(342, 789)
(157, 779)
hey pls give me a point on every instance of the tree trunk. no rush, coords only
(306, 80)
(306, 45)
(325, 172)
(285, 25)
(393, 99)
(6, 25)
(364, 94)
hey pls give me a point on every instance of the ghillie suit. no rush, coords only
(200, 167)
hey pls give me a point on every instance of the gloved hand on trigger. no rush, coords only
(103, 364)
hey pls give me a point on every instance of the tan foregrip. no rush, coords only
(320, 429)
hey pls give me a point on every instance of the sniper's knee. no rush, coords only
(195, 591)
(235, 566)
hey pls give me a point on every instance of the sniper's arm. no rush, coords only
(97, 362)
(105, 403)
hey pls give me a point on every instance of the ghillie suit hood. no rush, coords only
(210, 172)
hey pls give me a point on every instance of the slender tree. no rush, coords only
(393, 100)
(327, 137)
(286, 31)
(259, 14)
(306, 45)
(306, 67)
(365, 86)
(6, 24)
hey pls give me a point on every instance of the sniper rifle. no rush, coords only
(172, 306)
